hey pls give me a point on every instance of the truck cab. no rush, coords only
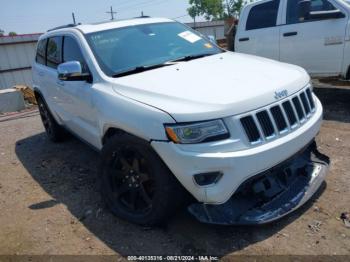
(313, 34)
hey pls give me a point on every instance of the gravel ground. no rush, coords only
(50, 204)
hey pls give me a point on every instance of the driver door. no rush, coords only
(77, 96)
(314, 44)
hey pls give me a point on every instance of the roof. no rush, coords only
(17, 39)
(206, 24)
(90, 28)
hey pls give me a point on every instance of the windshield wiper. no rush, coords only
(139, 69)
(191, 57)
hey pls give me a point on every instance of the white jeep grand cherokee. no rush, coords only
(173, 113)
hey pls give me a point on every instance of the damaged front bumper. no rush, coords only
(272, 194)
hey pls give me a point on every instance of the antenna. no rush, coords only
(73, 16)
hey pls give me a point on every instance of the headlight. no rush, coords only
(197, 132)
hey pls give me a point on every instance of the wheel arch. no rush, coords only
(113, 130)
(38, 94)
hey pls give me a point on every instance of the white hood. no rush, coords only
(213, 87)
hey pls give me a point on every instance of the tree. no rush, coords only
(194, 10)
(12, 34)
(216, 9)
(2, 32)
(210, 9)
(234, 7)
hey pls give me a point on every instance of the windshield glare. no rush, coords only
(118, 50)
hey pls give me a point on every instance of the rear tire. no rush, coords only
(135, 183)
(53, 130)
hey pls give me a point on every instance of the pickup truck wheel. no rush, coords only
(135, 183)
(53, 130)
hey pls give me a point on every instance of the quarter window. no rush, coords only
(54, 51)
(263, 15)
(72, 52)
(40, 57)
(294, 16)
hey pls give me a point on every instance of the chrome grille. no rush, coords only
(298, 108)
(287, 106)
(250, 128)
(279, 118)
(265, 123)
(280, 121)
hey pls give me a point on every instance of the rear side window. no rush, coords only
(40, 57)
(315, 5)
(263, 15)
(72, 52)
(54, 51)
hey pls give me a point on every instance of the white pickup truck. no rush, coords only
(313, 34)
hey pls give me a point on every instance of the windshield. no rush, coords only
(122, 49)
(347, 1)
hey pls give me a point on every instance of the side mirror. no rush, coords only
(72, 71)
(304, 8)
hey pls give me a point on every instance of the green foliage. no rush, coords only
(12, 34)
(234, 7)
(216, 9)
(210, 9)
(2, 32)
(195, 9)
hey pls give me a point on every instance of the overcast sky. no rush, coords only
(36, 16)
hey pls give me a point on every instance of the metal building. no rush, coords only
(16, 58)
(210, 28)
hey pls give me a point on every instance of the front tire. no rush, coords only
(135, 183)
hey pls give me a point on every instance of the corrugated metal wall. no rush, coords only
(16, 57)
(214, 28)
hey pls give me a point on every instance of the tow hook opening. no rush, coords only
(206, 179)
(270, 195)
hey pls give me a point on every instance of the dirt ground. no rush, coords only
(50, 204)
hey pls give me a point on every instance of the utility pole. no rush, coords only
(112, 13)
(73, 16)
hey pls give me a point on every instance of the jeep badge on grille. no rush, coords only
(281, 94)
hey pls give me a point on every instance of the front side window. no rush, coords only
(40, 57)
(263, 15)
(295, 15)
(72, 52)
(54, 51)
(122, 49)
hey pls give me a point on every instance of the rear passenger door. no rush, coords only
(39, 66)
(52, 84)
(316, 44)
(260, 35)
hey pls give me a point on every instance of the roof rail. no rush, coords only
(63, 26)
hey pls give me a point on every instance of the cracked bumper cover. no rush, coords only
(270, 195)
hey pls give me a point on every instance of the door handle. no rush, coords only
(243, 39)
(41, 73)
(290, 34)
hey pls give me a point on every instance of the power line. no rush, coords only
(142, 4)
(180, 16)
(112, 13)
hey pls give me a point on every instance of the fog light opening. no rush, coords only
(206, 179)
